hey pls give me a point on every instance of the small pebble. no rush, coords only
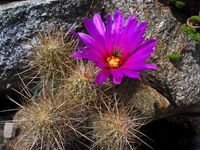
(10, 130)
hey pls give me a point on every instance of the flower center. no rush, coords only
(114, 61)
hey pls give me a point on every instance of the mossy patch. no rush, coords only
(174, 57)
(191, 32)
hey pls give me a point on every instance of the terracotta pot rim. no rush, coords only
(189, 23)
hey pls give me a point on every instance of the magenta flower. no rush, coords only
(120, 49)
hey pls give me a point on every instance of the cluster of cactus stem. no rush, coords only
(67, 105)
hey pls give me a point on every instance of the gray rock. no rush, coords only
(10, 130)
(20, 21)
(178, 81)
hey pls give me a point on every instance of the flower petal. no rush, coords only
(80, 55)
(98, 39)
(96, 46)
(117, 76)
(130, 27)
(109, 23)
(109, 40)
(95, 54)
(151, 66)
(101, 65)
(86, 39)
(92, 29)
(102, 76)
(145, 50)
(88, 56)
(99, 24)
(118, 26)
(138, 66)
(131, 74)
(118, 22)
(130, 18)
(134, 39)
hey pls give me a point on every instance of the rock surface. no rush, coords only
(20, 21)
(178, 81)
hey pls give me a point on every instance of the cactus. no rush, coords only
(52, 54)
(117, 128)
(61, 106)
(50, 122)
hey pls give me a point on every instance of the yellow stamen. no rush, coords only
(113, 61)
